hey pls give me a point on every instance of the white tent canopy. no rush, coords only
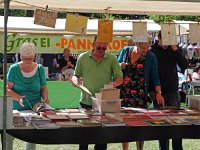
(25, 24)
(159, 7)
(182, 27)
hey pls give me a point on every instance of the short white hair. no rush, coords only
(27, 49)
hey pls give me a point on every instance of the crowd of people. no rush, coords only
(139, 72)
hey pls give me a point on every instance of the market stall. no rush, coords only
(177, 7)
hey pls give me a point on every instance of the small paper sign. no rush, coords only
(140, 32)
(105, 30)
(194, 31)
(45, 18)
(169, 36)
(76, 23)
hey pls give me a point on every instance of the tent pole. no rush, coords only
(6, 11)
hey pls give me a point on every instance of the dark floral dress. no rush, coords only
(133, 89)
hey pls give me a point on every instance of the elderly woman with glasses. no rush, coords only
(140, 73)
(26, 84)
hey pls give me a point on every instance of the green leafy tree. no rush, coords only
(167, 18)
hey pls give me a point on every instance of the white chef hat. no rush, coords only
(27, 49)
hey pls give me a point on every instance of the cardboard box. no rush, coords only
(106, 106)
(194, 102)
(108, 94)
(9, 112)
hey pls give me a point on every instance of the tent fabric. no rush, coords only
(182, 27)
(159, 7)
(119, 26)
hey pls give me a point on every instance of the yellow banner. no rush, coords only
(57, 43)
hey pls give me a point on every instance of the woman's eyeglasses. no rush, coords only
(101, 48)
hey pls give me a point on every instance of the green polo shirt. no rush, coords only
(96, 74)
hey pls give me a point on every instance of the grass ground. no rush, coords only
(188, 144)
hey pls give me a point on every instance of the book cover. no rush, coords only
(45, 18)
(169, 36)
(56, 118)
(105, 30)
(46, 125)
(176, 121)
(68, 124)
(76, 23)
(160, 117)
(173, 112)
(191, 111)
(76, 116)
(140, 32)
(153, 112)
(184, 117)
(136, 123)
(47, 113)
(193, 121)
(107, 121)
(158, 122)
(73, 110)
(22, 125)
(36, 119)
(89, 123)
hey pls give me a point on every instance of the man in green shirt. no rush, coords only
(96, 68)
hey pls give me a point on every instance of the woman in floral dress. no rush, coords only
(140, 73)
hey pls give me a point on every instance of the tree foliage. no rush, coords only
(168, 18)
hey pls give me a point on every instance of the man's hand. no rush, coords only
(123, 65)
(160, 99)
(75, 81)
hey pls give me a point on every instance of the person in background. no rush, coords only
(67, 63)
(96, 68)
(197, 55)
(140, 71)
(26, 84)
(49, 60)
(168, 57)
(196, 74)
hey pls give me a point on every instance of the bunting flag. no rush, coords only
(45, 18)
(76, 23)
(140, 32)
(169, 36)
(194, 36)
(105, 30)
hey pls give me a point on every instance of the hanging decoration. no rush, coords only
(140, 32)
(105, 30)
(169, 36)
(45, 17)
(76, 23)
(194, 36)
